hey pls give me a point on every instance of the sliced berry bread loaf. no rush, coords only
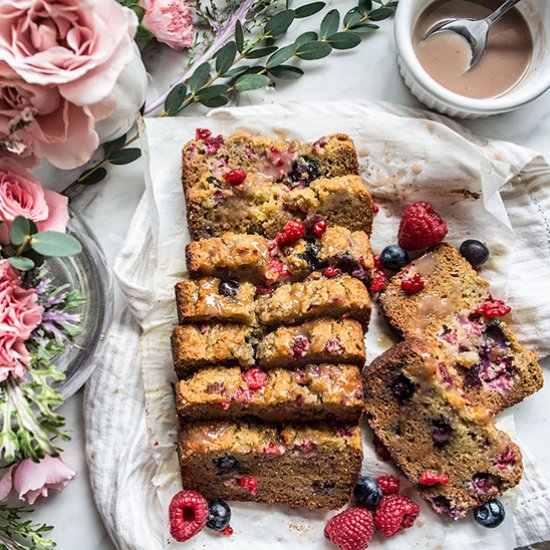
(450, 450)
(311, 394)
(456, 309)
(296, 465)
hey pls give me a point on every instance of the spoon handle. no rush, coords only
(499, 12)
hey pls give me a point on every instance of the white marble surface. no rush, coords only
(368, 72)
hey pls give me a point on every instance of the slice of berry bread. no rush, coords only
(212, 299)
(311, 394)
(319, 341)
(296, 465)
(194, 346)
(456, 308)
(291, 304)
(428, 426)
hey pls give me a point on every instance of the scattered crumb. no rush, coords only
(431, 126)
(363, 152)
(299, 528)
(416, 169)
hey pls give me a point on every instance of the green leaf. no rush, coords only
(330, 23)
(286, 72)
(174, 99)
(309, 9)
(217, 101)
(344, 40)
(236, 71)
(20, 263)
(114, 145)
(280, 56)
(380, 14)
(225, 57)
(364, 6)
(212, 91)
(313, 50)
(279, 23)
(143, 33)
(239, 36)
(53, 243)
(199, 77)
(125, 156)
(352, 17)
(306, 37)
(367, 27)
(252, 82)
(260, 52)
(94, 177)
(138, 10)
(20, 229)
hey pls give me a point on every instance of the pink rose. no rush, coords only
(34, 479)
(20, 314)
(79, 46)
(170, 21)
(21, 194)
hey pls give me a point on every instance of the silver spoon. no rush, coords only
(475, 31)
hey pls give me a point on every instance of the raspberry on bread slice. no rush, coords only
(319, 341)
(489, 363)
(291, 304)
(311, 394)
(210, 299)
(306, 466)
(194, 346)
(428, 426)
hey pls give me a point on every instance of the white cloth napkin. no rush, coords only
(405, 155)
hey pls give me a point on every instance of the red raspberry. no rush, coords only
(380, 449)
(276, 271)
(224, 405)
(389, 485)
(188, 513)
(227, 532)
(351, 529)
(332, 272)
(250, 483)
(493, 308)
(292, 232)
(202, 134)
(319, 228)
(255, 378)
(394, 513)
(235, 177)
(300, 346)
(412, 285)
(375, 208)
(262, 290)
(431, 477)
(420, 227)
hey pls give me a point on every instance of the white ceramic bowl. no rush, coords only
(431, 93)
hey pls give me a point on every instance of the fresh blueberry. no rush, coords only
(228, 288)
(219, 515)
(402, 388)
(441, 431)
(311, 256)
(367, 492)
(226, 463)
(394, 257)
(304, 170)
(491, 514)
(475, 252)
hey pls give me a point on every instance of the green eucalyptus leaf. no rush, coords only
(239, 36)
(279, 23)
(143, 33)
(313, 50)
(260, 52)
(352, 17)
(330, 23)
(114, 145)
(236, 71)
(55, 244)
(225, 57)
(125, 156)
(309, 9)
(364, 6)
(138, 10)
(174, 99)
(21, 263)
(286, 72)
(212, 91)
(216, 101)
(20, 229)
(344, 40)
(200, 76)
(94, 177)
(306, 37)
(280, 56)
(366, 27)
(38, 259)
(252, 82)
(381, 13)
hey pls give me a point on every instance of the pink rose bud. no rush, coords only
(170, 21)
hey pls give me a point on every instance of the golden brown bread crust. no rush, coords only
(309, 466)
(427, 425)
(311, 394)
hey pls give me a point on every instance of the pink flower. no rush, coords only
(171, 22)
(20, 314)
(21, 194)
(34, 479)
